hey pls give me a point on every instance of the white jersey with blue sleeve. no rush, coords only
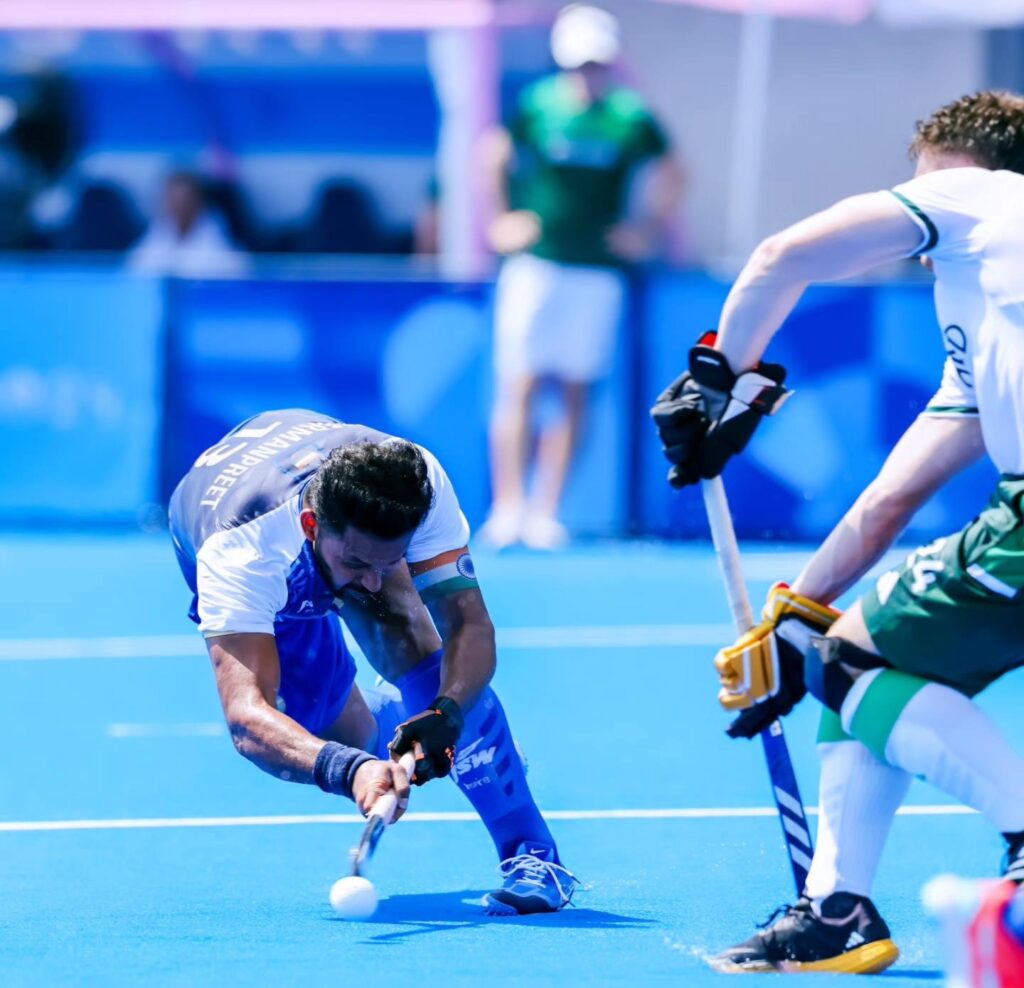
(234, 520)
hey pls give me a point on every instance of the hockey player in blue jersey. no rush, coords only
(294, 518)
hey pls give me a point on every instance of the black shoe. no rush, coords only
(1013, 860)
(843, 934)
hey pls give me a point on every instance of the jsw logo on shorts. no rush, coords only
(469, 759)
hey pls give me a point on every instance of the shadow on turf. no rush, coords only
(437, 911)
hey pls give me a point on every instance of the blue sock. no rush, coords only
(385, 703)
(488, 768)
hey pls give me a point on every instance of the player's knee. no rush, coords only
(831, 667)
(851, 626)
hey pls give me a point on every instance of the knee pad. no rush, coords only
(827, 680)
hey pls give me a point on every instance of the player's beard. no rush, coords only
(325, 572)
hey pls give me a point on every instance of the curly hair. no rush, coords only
(379, 488)
(988, 126)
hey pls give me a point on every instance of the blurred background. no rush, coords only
(209, 210)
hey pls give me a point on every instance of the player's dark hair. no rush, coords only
(988, 126)
(379, 488)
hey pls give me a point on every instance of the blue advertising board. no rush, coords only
(80, 393)
(408, 357)
(111, 385)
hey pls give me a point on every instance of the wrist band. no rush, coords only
(336, 766)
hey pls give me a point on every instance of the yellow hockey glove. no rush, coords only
(783, 602)
(767, 662)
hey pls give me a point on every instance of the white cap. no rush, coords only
(583, 34)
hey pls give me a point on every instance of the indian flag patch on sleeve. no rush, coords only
(444, 574)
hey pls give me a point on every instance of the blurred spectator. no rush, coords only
(562, 173)
(225, 198)
(187, 239)
(344, 222)
(102, 219)
(46, 130)
(37, 138)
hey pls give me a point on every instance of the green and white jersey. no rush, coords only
(573, 164)
(972, 228)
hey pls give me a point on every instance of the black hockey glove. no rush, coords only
(436, 731)
(708, 414)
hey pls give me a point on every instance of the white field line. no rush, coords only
(203, 729)
(165, 823)
(187, 646)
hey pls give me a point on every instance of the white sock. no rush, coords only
(944, 738)
(859, 796)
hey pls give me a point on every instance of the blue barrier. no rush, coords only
(84, 357)
(80, 391)
(413, 358)
(359, 111)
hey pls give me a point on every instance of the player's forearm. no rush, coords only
(274, 742)
(470, 659)
(930, 452)
(664, 191)
(853, 547)
(760, 300)
(849, 238)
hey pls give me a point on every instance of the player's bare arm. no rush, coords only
(928, 454)
(847, 239)
(247, 671)
(661, 181)
(709, 413)
(510, 230)
(392, 626)
(396, 629)
(470, 654)
(428, 605)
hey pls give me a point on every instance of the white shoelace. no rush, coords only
(532, 870)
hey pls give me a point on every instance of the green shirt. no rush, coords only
(573, 164)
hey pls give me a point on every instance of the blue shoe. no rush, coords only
(533, 883)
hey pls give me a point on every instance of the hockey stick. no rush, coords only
(780, 767)
(380, 819)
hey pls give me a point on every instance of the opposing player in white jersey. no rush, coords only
(895, 672)
(294, 518)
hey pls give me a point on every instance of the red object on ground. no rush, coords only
(995, 951)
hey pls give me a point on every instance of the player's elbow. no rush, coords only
(244, 735)
(783, 257)
(771, 256)
(887, 509)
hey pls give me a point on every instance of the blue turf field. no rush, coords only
(109, 714)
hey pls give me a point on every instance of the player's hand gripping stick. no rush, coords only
(381, 817)
(355, 897)
(780, 767)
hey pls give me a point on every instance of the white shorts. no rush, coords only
(556, 319)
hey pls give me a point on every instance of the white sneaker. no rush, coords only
(501, 529)
(542, 532)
